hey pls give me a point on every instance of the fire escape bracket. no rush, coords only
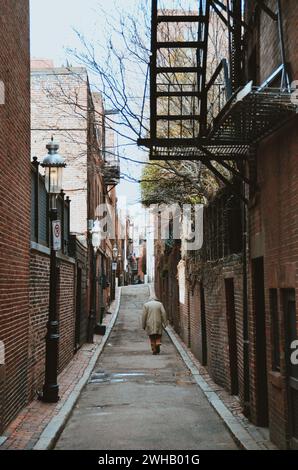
(267, 10)
(225, 180)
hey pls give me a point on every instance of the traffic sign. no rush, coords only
(56, 235)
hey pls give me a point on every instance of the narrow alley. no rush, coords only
(135, 400)
(149, 157)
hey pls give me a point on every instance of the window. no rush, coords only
(40, 227)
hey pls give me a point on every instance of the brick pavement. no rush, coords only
(26, 429)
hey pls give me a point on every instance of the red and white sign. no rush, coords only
(57, 235)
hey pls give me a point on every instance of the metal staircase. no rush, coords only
(178, 85)
(181, 125)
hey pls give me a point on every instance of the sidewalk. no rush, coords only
(38, 424)
(246, 434)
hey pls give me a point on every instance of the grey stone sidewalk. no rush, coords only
(38, 425)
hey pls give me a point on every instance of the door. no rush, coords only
(292, 368)
(204, 348)
(260, 342)
(232, 335)
(101, 282)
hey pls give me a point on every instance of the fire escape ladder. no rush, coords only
(202, 56)
(219, 121)
(234, 14)
(178, 72)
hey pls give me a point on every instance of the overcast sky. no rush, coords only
(52, 25)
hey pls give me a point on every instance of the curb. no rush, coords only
(238, 432)
(54, 428)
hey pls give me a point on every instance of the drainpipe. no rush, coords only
(285, 81)
(246, 381)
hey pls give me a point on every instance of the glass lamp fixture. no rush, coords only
(53, 164)
(96, 235)
(115, 252)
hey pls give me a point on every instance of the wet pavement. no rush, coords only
(135, 400)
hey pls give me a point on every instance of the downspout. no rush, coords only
(246, 379)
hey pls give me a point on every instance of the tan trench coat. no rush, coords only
(154, 317)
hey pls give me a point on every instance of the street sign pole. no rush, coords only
(51, 387)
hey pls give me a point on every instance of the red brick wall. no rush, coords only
(15, 202)
(269, 50)
(66, 313)
(186, 317)
(213, 278)
(195, 321)
(270, 56)
(39, 312)
(275, 216)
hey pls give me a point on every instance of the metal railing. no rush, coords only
(40, 224)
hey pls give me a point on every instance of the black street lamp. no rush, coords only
(53, 164)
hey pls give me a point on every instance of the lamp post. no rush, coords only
(120, 270)
(53, 164)
(95, 241)
(114, 269)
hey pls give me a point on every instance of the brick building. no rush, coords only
(64, 105)
(40, 284)
(24, 267)
(236, 306)
(15, 206)
(273, 261)
(25, 244)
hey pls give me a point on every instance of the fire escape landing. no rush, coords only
(111, 170)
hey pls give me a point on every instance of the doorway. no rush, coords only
(260, 342)
(289, 304)
(204, 345)
(232, 335)
(78, 309)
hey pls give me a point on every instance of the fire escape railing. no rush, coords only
(218, 91)
(111, 168)
(190, 100)
(221, 119)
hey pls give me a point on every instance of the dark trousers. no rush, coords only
(155, 341)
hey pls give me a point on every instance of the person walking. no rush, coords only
(153, 320)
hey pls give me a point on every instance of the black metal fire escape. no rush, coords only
(180, 126)
(196, 68)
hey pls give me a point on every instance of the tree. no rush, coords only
(118, 65)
